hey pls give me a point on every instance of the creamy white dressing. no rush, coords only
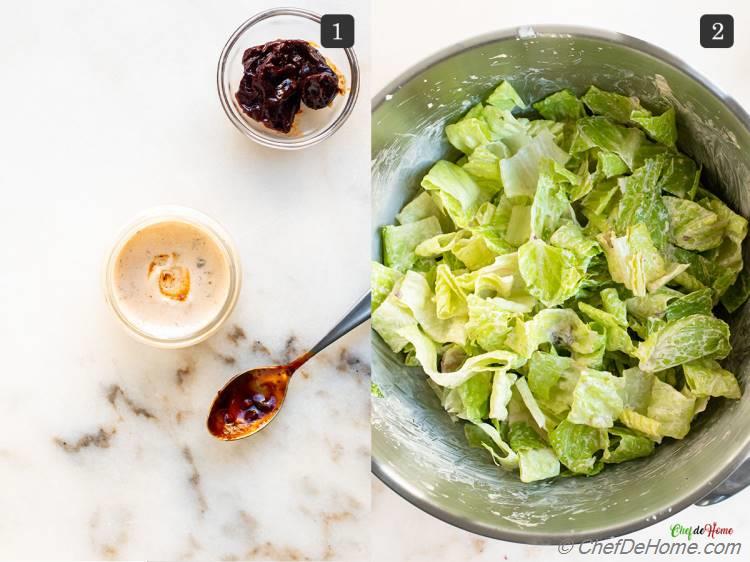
(171, 279)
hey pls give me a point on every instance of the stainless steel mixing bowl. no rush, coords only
(416, 449)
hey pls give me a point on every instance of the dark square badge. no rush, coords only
(337, 31)
(717, 31)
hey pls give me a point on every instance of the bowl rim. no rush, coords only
(386, 474)
(290, 143)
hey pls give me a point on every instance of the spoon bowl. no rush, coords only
(251, 400)
(248, 402)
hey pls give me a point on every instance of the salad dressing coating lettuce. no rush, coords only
(557, 282)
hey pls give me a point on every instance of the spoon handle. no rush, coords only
(358, 314)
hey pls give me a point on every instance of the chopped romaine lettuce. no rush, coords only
(557, 283)
(662, 129)
(505, 97)
(382, 280)
(597, 399)
(692, 226)
(688, 338)
(399, 242)
(705, 377)
(458, 193)
(561, 106)
(671, 409)
(502, 384)
(421, 207)
(551, 274)
(576, 444)
(520, 172)
(642, 204)
(536, 460)
(628, 445)
(468, 134)
(615, 106)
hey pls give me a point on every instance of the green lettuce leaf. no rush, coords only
(642, 204)
(692, 337)
(637, 389)
(727, 258)
(489, 322)
(415, 293)
(531, 404)
(382, 280)
(441, 243)
(399, 242)
(705, 377)
(576, 446)
(561, 106)
(597, 399)
(450, 300)
(390, 316)
(550, 203)
(475, 252)
(634, 261)
(475, 397)
(560, 327)
(671, 409)
(653, 304)
(520, 173)
(662, 129)
(697, 302)
(536, 460)
(642, 423)
(552, 379)
(519, 226)
(602, 133)
(423, 206)
(692, 226)
(468, 134)
(458, 193)
(487, 437)
(484, 161)
(615, 106)
(614, 306)
(610, 165)
(617, 336)
(571, 237)
(502, 383)
(629, 445)
(505, 97)
(680, 176)
(551, 274)
(426, 352)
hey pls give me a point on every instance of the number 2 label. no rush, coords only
(717, 31)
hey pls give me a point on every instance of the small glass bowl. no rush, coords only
(221, 238)
(310, 126)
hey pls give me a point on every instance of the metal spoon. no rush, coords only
(250, 400)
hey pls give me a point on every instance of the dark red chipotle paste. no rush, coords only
(281, 75)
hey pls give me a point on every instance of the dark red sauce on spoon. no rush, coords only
(250, 400)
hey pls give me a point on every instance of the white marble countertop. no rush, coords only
(400, 531)
(110, 108)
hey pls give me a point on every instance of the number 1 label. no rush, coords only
(337, 31)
